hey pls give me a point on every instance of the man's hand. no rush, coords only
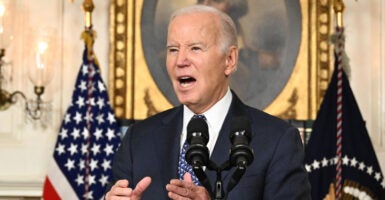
(178, 189)
(121, 189)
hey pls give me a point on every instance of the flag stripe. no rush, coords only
(50, 192)
(57, 179)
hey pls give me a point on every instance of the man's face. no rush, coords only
(197, 66)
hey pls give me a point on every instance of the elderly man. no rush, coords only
(202, 54)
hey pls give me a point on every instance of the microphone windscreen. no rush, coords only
(197, 127)
(240, 126)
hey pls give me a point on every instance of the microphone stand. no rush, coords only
(218, 193)
(202, 177)
(241, 155)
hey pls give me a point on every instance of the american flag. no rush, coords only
(361, 176)
(81, 164)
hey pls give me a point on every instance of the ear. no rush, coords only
(231, 60)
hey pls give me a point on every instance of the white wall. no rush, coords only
(25, 148)
(364, 23)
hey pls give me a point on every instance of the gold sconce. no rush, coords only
(40, 72)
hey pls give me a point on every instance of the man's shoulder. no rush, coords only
(164, 116)
(264, 119)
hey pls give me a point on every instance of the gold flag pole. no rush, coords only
(339, 8)
(89, 35)
(88, 7)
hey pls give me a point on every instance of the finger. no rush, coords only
(183, 183)
(179, 188)
(120, 188)
(175, 196)
(176, 192)
(188, 182)
(176, 182)
(142, 186)
(121, 183)
(187, 177)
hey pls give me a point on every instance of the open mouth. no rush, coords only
(186, 81)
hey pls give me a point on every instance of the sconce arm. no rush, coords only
(13, 99)
(7, 99)
(34, 111)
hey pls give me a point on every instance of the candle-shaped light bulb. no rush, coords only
(41, 61)
(7, 21)
(2, 9)
(40, 72)
(40, 54)
(2, 12)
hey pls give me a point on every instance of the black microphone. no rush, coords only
(241, 155)
(240, 152)
(197, 154)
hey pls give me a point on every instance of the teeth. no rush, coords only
(186, 81)
(184, 84)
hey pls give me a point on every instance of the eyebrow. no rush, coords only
(189, 45)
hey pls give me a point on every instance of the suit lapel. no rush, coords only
(169, 143)
(222, 146)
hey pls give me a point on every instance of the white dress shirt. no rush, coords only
(215, 117)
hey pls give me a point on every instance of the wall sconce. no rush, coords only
(40, 73)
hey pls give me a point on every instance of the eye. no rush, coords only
(196, 48)
(172, 49)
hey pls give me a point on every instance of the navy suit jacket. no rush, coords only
(151, 148)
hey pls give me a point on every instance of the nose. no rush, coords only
(182, 59)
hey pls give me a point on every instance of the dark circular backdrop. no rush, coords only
(270, 34)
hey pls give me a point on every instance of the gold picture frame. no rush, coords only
(135, 93)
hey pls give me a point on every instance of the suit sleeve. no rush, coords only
(122, 165)
(286, 177)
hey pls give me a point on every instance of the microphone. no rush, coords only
(197, 154)
(241, 155)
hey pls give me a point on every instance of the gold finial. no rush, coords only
(88, 7)
(339, 8)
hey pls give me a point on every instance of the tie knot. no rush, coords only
(199, 117)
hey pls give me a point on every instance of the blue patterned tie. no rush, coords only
(183, 166)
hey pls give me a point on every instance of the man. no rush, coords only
(202, 54)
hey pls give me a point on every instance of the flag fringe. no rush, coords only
(334, 39)
(89, 37)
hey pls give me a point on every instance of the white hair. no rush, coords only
(228, 32)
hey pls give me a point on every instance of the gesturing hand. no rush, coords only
(121, 189)
(185, 189)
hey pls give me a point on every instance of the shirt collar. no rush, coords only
(215, 115)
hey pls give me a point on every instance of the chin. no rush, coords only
(188, 97)
(185, 100)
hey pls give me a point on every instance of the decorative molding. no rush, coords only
(20, 189)
(324, 27)
(118, 56)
